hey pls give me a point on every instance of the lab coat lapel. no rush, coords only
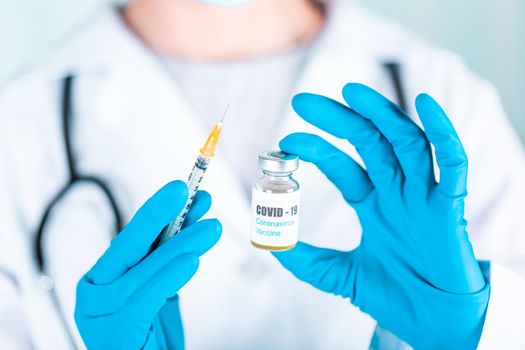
(171, 133)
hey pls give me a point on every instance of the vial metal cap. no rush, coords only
(278, 162)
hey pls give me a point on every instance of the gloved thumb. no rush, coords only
(330, 270)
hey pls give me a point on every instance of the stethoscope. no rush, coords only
(75, 177)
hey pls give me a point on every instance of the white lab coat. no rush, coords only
(133, 127)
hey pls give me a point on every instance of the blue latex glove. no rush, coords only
(128, 298)
(414, 271)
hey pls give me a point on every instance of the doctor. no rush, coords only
(118, 113)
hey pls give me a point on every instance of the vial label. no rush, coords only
(275, 218)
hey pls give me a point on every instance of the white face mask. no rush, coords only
(226, 2)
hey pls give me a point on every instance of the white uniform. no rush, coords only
(133, 127)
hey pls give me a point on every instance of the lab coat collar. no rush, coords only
(102, 41)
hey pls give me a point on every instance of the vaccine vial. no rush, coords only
(275, 202)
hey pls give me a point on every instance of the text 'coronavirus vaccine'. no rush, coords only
(275, 202)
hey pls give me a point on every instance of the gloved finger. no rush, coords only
(134, 241)
(147, 301)
(195, 240)
(450, 155)
(339, 120)
(142, 309)
(200, 206)
(341, 169)
(408, 140)
(326, 269)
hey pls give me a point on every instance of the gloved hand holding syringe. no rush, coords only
(206, 153)
(148, 278)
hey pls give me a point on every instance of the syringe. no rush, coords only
(197, 173)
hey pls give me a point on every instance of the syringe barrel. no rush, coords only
(194, 180)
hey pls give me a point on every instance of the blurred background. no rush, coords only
(488, 34)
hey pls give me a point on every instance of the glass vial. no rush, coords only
(275, 202)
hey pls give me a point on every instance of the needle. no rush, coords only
(224, 114)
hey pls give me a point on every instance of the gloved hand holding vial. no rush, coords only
(414, 271)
